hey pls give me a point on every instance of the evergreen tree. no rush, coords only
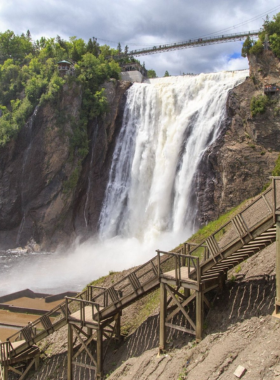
(90, 46)
(96, 49)
(166, 74)
(247, 45)
(28, 35)
(119, 48)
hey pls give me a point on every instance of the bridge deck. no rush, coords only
(189, 44)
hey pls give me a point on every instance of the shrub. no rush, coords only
(276, 170)
(258, 104)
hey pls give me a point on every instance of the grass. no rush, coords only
(238, 269)
(211, 227)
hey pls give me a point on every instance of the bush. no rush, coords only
(276, 170)
(257, 48)
(258, 104)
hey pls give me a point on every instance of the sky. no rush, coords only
(143, 23)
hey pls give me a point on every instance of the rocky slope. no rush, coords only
(238, 330)
(238, 165)
(37, 172)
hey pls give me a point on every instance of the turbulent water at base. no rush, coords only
(167, 125)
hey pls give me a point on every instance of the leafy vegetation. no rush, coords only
(29, 76)
(271, 29)
(276, 170)
(211, 227)
(151, 74)
(258, 104)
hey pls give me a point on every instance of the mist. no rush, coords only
(73, 269)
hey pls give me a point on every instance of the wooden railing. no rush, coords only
(240, 226)
(95, 308)
(5, 351)
(177, 261)
(106, 301)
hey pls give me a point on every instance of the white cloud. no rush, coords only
(143, 23)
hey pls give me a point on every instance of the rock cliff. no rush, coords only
(238, 164)
(44, 192)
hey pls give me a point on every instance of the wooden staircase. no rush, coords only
(95, 313)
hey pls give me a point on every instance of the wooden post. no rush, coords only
(222, 281)
(199, 315)
(37, 362)
(162, 317)
(5, 372)
(277, 301)
(187, 292)
(89, 331)
(118, 326)
(70, 352)
(99, 353)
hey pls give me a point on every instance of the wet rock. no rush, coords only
(238, 164)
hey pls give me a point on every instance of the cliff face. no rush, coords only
(47, 195)
(36, 170)
(238, 165)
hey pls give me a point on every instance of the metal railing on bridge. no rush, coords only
(190, 43)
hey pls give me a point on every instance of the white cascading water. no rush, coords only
(167, 125)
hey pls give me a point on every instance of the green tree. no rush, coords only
(151, 74)
(96, 50)
(274, 41)
(28, 35)
(247, 45)
(166, 74)
(257, 48)
(90, 46)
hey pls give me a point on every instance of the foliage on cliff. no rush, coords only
(271, 29)
(29, 76)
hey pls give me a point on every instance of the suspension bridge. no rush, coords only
(189, 44)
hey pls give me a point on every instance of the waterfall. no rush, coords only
(168, 123)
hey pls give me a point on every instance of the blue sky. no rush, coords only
(141, 23)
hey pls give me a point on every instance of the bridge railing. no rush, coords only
(47, 322)
(239, 226)
(195, 41)
(275, 196)
(131, 283)
(178, 266)
(5, 352)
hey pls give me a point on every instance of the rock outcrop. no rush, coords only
(36, 170)
(239, 163)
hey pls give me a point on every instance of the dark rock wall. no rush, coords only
(35, 166)
(238, 164)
